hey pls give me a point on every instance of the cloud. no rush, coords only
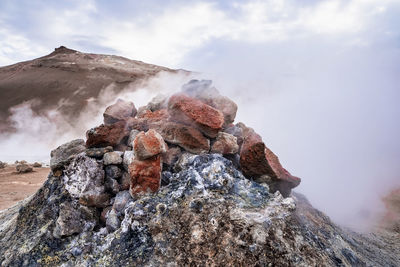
(166, 36)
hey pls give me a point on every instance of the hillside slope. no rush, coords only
(66, 80)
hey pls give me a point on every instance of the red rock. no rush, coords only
(193, 112)
(205, 92)
(106, 135)
(189, 138)
(147, 117)
(153, 116)
(149, 144)
(139, 124)
(257, 160)
(120, 110)
(145, 175)
(225, 144)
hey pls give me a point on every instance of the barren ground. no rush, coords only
(15, 187)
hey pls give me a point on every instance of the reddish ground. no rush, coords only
(15, 187)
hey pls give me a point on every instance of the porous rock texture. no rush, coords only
(208, 214)
(172, 202)
(193, 112)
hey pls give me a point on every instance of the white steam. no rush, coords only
(36, 135)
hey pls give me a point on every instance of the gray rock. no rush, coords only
(112, 158)
(74, 219)
(132, 136)
(112, 185)
(120, 110)
(37, 165)
(124, 182)
(23, 168)
(112, 221)
(98, 152)
(2, 165)
(84, 180)
(113, 171)
(128, 158)
(184, 160)
(171, 156)
(158, 102)
(121, 199)
(225, 144)
(62, 155)
(207, 208)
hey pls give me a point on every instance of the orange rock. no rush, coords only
(149, 144)
(193, 112)
(145, 175)
(189, 138)
(153, 116)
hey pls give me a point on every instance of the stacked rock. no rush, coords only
(137, 150)
(196, 120)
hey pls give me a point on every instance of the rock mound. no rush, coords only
(164, 186)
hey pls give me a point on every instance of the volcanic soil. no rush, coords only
(15, 187)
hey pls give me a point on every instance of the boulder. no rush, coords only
(113, 158)
(145, 175)
(119, 111)
(3, 165)
(149, 144)
(98, 152)
(209, 95)
(225, 144)
(23, 168)
(106, 135)
(37, 165)
(63, 154)
(256, 160)
(187, 137)
(193, 112)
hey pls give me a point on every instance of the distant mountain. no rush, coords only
(66, 79)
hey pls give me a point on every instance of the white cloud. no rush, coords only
(166, 38)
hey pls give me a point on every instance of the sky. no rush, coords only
(318, 79)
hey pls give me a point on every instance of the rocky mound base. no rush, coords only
(175, 183)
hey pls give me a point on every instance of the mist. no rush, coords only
(331, 115)
(319, 80)
(35, 135)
